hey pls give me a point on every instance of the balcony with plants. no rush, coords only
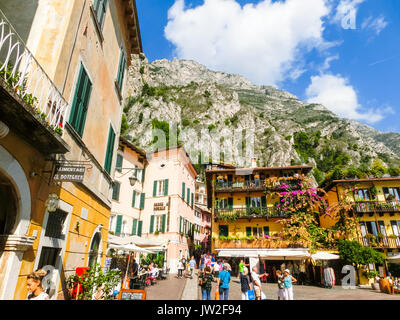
(262, 242)
(380, 241)
(243, 212)
(31, 105)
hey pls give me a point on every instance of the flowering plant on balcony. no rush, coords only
(304, 205)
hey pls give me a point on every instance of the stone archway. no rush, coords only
(15, 219)
(96, 247)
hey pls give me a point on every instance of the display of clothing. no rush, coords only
(329, 277)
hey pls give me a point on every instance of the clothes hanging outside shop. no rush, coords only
(329, 278)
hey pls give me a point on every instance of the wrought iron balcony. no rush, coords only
(250, 213)
(252, 185)
(376, 207)
(23, 80)
(382, 242)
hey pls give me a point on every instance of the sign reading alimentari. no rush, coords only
(69, 174)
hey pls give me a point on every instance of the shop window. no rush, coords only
(48, 257)
(55, 224)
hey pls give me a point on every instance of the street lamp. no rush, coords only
(133, 179)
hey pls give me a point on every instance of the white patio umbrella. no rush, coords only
(128, 247)
(325, 256)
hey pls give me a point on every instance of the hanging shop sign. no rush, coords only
(69, 173)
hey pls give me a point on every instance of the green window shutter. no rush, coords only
(166, 187)
(134, 198)
(188, 195)
(140, 224)
(143, 174)
(248, 231)
(119, 225)
(223, 231)
(80, 102)
(180, 224)
(154, 188)
(134, 227)
(142, 197)
(266, 231)
(192, 200)
(230, 203)
(100, 8)
(121, 69)
(263, 201)
(118, 166)
(109, 150)
(248, 202)
(152, 224)
(164, 219)
(116, 188)
(183, 191)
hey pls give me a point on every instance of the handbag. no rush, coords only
(217, 295)
(201, 280)
(251, 295)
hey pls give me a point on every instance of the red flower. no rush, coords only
(60, 125)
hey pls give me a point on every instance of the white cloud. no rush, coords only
(265, 42)
(346, 12)
(335, 93)
(376, 25)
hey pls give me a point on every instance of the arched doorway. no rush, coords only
(95, 252)
(8, 207)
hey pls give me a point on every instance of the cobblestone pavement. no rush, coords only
(169, 289)
(310, 293)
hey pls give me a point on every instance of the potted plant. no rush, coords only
(372, 275)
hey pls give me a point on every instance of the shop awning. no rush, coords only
(139, 241)
(325, 256)
(128, 247)
(394, 259)
(267, 254)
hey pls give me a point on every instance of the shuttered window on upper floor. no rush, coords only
(109, 150)
(80, 102)
(121, 69)
(118, 166)
(100, 9)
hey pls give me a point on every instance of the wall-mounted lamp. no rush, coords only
(77, 226)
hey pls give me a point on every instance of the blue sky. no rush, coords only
(309, 48)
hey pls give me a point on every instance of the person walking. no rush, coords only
(184, 264)
(281, 285)
(245, 283)
(257, 282)
(288, 284)
(216, 269)
(34, 286)
(202, 263)
(223, 283)
(227, 265)
(180, 268)
(192, 265)
(206, 278)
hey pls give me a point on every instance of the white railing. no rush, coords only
(23, 73)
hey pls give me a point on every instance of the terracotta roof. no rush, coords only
(132, 146)
(334, 182)
(304, 167)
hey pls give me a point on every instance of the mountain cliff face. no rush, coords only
(287, 130)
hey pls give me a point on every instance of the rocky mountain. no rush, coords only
(286, 130)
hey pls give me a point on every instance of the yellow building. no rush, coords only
(84, 49)
(244, 213)
(376, 202)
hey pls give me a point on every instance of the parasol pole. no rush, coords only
(127, 268)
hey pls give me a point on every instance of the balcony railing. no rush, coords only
(23, 74)
(376, 207)
(250, 213)
(256, 244)
(252, 185)
(383, 242)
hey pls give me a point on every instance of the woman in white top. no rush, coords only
(180, 268)
(34, 285)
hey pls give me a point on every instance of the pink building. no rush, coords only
(168, 214)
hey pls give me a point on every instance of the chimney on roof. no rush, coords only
(254, 162)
